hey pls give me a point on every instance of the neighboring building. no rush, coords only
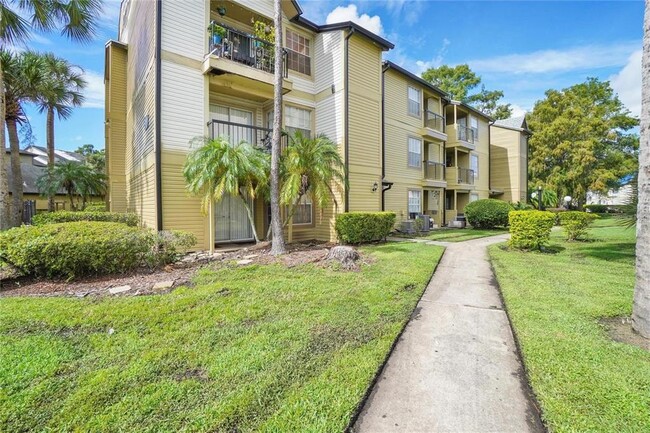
(509, 159)
(614, 197)
(60, 155)
(170, 78)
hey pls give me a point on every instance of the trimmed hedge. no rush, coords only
(74, 249)
(487, 213)
(576, 223)
(95, 207)
(358, 227)
(530, 229)
(130, 219)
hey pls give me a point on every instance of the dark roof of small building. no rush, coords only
(390, 65)
(31, 173)
(517, 123)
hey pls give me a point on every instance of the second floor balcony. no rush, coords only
(237, 132)
(465, 176)
(434, 174)
(434, 126)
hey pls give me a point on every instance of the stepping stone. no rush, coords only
(163, 285)
(244, 262)
(250, 256)
(119, 289)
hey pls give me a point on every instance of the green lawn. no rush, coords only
(585, 381)
(259, 348)
(459, 235)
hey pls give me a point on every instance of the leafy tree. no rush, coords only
(581, 140)
(459, 81)
(59, 92)
(95, 158)
(78, 180)
(23, 74)
(18, 19)
(277, 245)
(217, 168)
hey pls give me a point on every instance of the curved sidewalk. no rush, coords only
(456, 367)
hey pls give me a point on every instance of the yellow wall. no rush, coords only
(508, 163)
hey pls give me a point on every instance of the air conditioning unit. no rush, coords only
(408, 227)
(426, 222)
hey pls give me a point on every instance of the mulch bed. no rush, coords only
(142, 281)
(620, 329)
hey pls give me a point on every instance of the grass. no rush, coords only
(459, 235)
(258, 348)
(584, 381)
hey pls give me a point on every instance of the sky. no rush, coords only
(520, 47)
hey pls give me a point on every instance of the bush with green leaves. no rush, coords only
(95, 207)
(359, 227)
(75, 249)
(530, 229)
(575, 224)
(487, 213)
(130, 219)
(521, 206)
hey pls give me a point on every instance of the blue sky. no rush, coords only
(520, 47)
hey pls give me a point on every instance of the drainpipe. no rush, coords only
(490, 156)
(347, 118)
(444, 163)
(158, 150)
(383, 139)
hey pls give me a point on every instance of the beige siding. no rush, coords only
(184, 25)
(115, 126)
(508, 163)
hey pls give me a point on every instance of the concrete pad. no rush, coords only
(119, 289)
(244, 262)
(456, 367)
(160, 285)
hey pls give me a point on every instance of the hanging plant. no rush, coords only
(264, 31)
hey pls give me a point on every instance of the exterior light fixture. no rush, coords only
(567, 201)
(375, 186)
(539, 197)
(221, 11)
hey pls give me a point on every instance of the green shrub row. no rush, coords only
(80, 248)
(130, 219)
(605, 208)
(531, 229)
(487, 213)
(575, 223)
(95, 207)
(359, 227)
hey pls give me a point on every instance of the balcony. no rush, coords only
(238, 132)
(434, 126)
(242, 57)
(461, 136)
(434, 174)
(465, 176)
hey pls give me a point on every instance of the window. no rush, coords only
(473, 197)
(414, 101)
(298, 53)
(473, 164)
(304, 211)
(414, 203)
(297, 119)
(474, 126)
(415, 152)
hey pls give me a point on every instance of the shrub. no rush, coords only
(530, 229)
(83, 248)
(575, 223)
(95, 207)
(487, 213)
(130, 219)
(358, 227)
(521, 206)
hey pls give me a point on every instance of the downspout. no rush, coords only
(383, 138)
(444, 162)
(347, 118)
(490, 156)
(158, 150)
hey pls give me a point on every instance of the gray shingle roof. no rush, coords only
(518, 123)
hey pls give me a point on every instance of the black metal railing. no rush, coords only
(434, 121)
(238, 46)
(238, 132)
(465, 134)
(434, 170)
(465, 176)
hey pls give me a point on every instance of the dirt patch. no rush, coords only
(620, 329)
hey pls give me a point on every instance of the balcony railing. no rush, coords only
(434, 121)
(434, 170)
(237, 132)
(465, 134)
(465, 176)
(229, 43)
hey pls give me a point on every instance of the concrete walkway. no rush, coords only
(456, 367)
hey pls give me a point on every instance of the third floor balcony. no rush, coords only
(434, 126)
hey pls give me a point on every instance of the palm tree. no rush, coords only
(18, 19)
(58, 94)
(277, 244)
(23, 74)
(310, 167)
(641, 306)
(76, 179)
(217, 168)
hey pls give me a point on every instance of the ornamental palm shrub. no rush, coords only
(487, 213)
(530, 229)
(79, 181)
(575, 223)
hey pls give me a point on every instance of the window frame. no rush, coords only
(408, 202)
(478, 163)
(408, 152)
(297, 128)
(409, 100)
(473, 119)
(310, 203)
(308, 44)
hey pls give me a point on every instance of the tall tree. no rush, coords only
(459, 81)
(641, 306)
(277, 243)
(581, 140)
(18, 19)
(23, 74)
(58, 94)
(95, 158)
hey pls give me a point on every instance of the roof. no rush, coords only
(31, 173)
(22, 152)
(475, 110)
(383, 43)
(516, 123)
(390, 65)
(40, 155)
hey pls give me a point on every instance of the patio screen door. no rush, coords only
(225, 117)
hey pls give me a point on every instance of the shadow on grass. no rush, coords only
(619, 252)
(550, 249)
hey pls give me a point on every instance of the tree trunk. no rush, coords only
(17, 181)
(4, 185)
(277, 244)
(641, 306)
(251, 217)
(50, 151)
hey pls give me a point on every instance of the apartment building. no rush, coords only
(201, 68)
(509, 159)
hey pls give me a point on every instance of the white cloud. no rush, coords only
(627, 83)
(34, 37)
(350, 13)
(517, 110)
(571, 59)
(78, 138)
(94, 91)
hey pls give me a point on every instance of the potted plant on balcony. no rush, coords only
(264, 32)
(217, 32)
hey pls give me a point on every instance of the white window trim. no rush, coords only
(478, 164)
(408, 99)
(311, 211)
(408, 201)
(408, 152)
